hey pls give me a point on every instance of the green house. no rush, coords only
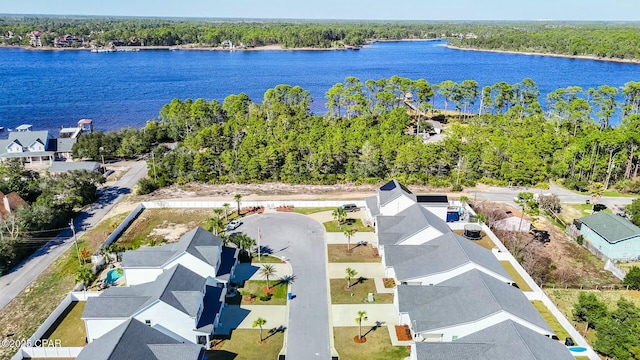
(613, 236)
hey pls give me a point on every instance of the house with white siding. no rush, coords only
(414, 225)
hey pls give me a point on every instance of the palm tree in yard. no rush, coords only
(238, 198)
(218, 212)
(216, 224)
(362, 316)
(350, 273)
(349, 233)
(226, 207)
(339, 215)
(268, 270)
(259, 322)
(243, 242)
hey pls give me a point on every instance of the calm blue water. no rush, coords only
(50, 89)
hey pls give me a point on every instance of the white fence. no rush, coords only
(124, 225)
(266, 204)
(45, 351)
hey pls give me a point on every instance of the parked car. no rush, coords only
(234, 224)
(350, 207)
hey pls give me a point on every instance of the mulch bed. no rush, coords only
(403, 333)
(359, 340)
(252, 210)
(284, 208)
(389, 283)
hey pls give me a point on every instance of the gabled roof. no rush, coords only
(197, 242)
(14, 200)
(465, 298)
(26, 138)
(442, 254)
(178, 287)
(65, 144)
(135, 340)
(611, 227)
(392, 230)
(393, 190)
(372, 205)
(66, 166)
(500, 341)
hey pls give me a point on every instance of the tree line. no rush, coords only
(365, 136)
(51, 201)
(619, 41)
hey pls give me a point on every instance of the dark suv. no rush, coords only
(349, 207)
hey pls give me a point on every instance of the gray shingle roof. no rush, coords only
(393, 190)
(464, 298)
(611, 227)
(135, 340)
(211, 308)
(392, 230)
(500, 341)
(65, 144)
(26, 138)
(197, 242)
(372, 205)
(66, 166)
(178, 287)
(442, 254)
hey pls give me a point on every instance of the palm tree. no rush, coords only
(464, 199)
(238, 198)
(349, 233)
(362, 316)
(597, 189)
(216, 224)
(268, 270)
(226, 207)
(243, 242)
(350, 273)
(85, 276)
(218, 212)
(259, 322)
(339, 215)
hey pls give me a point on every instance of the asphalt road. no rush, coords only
(301, 241)
(506, 195)
(25, 273)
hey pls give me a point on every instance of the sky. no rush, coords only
(606, 10)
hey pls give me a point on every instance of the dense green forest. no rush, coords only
(615, 41)
(15, 30)
(367, 136)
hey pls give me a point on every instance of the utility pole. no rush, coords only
(75, 240)
(153, 158)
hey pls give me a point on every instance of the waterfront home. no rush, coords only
(179, 303)
(611, 236)
(35, 38)
(30, 146)
(198, 250)
(505, 340)
(134, 340)
(464, 305)
(438, 260)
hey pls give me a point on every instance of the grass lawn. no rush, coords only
(377, 347)
(364, 253)
(140, 231)
(265, 259)
(312, 210)
(550, 319)
(358, 293)
(69, 328)
(244, 345)
(356, 224)
(485, 241)
(31, 307)
(279, 296)
(515, 276)
(582, 358)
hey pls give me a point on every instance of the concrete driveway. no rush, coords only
(300, 240)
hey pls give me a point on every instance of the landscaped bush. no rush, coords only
(146, 186)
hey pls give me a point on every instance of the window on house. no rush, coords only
(201, 339)
(147, 322)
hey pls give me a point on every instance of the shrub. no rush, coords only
(456, 187)
(146, 186)
(542, 185)
(580, 239)
(632, 279)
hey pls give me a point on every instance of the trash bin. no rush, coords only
(289, 296)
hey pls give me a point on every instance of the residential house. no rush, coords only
(35, 38)
(391, 199)
(414, 225)
(198, 250)
(439, 260)
(11, 202)
(179, 303)
(135, 340)
(31, 146)
(60, 167)
(505, 340)
(67, 41)
(463, 305)
(612, 236)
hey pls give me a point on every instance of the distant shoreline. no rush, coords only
(191, 47)
(579, 57)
